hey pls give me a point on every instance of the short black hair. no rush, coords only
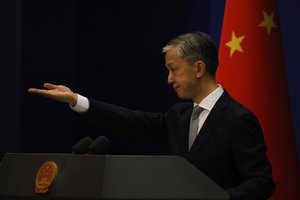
(196, 46)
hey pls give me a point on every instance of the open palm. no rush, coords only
(56, 92)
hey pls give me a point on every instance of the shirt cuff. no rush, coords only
(82, 104)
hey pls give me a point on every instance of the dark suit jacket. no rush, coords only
(229, 149)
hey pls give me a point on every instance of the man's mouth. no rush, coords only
(175, 87)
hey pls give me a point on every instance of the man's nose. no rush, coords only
(170, 78)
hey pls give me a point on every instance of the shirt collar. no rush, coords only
(209, 101)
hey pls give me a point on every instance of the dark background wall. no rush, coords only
(10, 75)
(107, 50)
(110, 51)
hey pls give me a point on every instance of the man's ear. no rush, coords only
(200, 68)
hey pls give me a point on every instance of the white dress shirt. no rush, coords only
(207, 104)
(82, 104)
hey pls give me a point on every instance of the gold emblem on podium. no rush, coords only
(45, 177)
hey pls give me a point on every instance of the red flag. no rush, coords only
(252, 70)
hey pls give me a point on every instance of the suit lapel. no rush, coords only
(185, 129)
(210, 123)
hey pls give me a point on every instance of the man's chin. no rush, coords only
(183, 97)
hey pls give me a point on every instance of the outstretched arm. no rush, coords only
(56, 92)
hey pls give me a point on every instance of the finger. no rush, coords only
(50, 86)
(38, 91)
(31, 90)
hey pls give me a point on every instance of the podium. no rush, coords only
(93, 177)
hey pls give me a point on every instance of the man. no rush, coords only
(215, 133)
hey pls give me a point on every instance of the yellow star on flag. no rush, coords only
(235, 43)
(268, 22)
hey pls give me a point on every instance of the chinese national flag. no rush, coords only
(252, 70)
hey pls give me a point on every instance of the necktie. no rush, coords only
(194, 125)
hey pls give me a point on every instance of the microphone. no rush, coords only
(99, 145)
(81, 147)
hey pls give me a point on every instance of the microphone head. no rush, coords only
(81, 147)
(99, 145)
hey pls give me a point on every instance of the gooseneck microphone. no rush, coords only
(99, 145)
(81, 147)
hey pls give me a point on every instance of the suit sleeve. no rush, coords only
(121, 119)
(249, 153)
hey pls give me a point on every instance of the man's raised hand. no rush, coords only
(56, 92)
